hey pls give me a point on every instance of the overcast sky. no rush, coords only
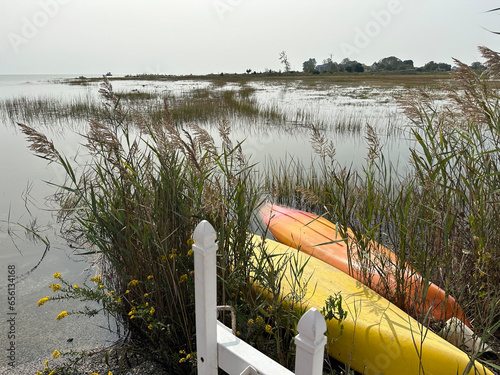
(212, 36)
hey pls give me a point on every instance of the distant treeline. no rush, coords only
(387, 64)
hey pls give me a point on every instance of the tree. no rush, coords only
(477, 67)
(390, 63)
(408, 64)
(284, 61)
(309, 66)
(329, 60)
(358, 67)
(444, 67)
(394, 63)
(430, 66)
(351, 66)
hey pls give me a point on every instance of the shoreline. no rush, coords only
(95, 361)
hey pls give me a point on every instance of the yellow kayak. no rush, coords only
(378, 337)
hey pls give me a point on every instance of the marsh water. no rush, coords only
(340, 111)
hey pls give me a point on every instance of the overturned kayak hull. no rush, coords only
(320, 238)
(377, 337)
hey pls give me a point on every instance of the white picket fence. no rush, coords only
(217, 345)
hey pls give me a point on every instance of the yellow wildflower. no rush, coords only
(55, 354)
(152, 310)
(57, 275)
(146, 294)
(119, 300)
(110, 373)
(182, 360)
(96, 279)
(259, 320)
(269, 329)
(38, 373)
(46, 362)
(150, 277)
(42, 301)
(191, 273)
(163, 258)
(132, 311)
(182, 352)
(188, 356)
(76, 286)
(94, 373)
(190, 252)
(55, 287)
(190, 242)
(62, 315)
(183, 278)
(127, 291)
(101, 286)
(250, 321)
(170, 256)
(133, 283)
(147, 304)
(132, 316)
(52, 372)
(150, 327)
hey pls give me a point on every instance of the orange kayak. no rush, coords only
(321, 239)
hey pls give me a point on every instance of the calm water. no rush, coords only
(24, 191)
(23, 201)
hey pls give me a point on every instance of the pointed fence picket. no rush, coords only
(218, 347)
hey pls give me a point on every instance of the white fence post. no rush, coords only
(217, 345)
(205, 280)
(310, 343)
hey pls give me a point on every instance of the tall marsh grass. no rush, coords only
(205, 105)
(134, 206)
(49, 110)
(442, 218)
(213, 104)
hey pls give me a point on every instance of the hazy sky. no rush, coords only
(212, 36)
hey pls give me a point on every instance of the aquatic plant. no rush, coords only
(134, 206)
(441, 218)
